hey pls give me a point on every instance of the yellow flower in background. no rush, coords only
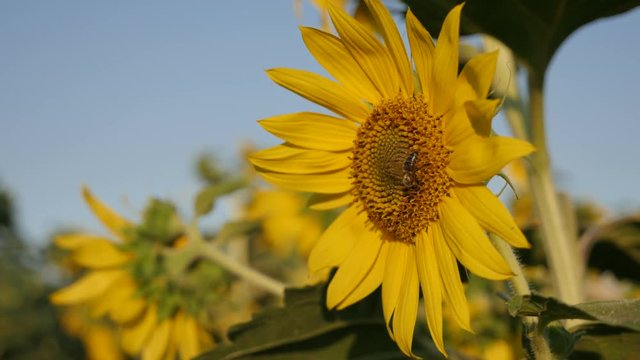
(110, 287)
(409, 157)
(98, 336)
(285, 225)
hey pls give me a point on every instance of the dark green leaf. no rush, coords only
(305, 329)
(615, 247)
(605, 342)
(533, 29)
(547, 309)
(624, 313)
(304, 323)
(561, 342)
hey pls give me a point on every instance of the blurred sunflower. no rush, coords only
(97, 335)
(285, 225)
(124, 280)
(409, 157)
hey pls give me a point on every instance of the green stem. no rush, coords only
(212, 252)
(243, 271)
(559, 243)
(520, 286)
(519, 283)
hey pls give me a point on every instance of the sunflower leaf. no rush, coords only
(606, 342)
(304, 326)
(622, 313)
(206, 198)
(534, 30)
(305, 329)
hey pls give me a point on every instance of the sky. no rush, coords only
(123, 95)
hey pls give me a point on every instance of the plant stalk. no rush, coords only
(559, 243)
(212, 252)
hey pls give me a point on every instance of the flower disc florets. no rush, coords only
(398, 169)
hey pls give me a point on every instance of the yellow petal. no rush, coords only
(158, 343)
(370, 282)
(101, 344)
(325, 183)
(445, 58)
(354, 269)
(404, 318)
(393, 277)
(74, 241)
(450, 275)
(329, 201)
(293, 160)
(186, 336)
(312, 131)
(481, 113)
(394, 43)
(469, 243)
(321, 91)
(100, 253)
(87, 287)
(479, 158)
(114, 297)
(337, 241)
(134, 337)
(457, 127)
(368, 52)
(109, 218)
(206, 341)
(131, 306)
(422, 50)
(334, 57)
(431, 284)
(491, 214)
(476, 77)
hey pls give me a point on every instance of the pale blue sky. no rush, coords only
(122, 95)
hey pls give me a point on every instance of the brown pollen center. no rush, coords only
(399, 167)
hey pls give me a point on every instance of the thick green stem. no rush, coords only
(520, 286)
(559, 242)
(519, 283)
(243, 271)
(212, 252)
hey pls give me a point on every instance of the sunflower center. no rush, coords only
(398, 167)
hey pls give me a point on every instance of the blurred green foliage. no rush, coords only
(28, 323)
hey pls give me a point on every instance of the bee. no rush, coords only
(409, 169)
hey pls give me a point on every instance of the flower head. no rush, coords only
(408, 156)
(126, 280)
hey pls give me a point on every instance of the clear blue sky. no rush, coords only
(122, 95)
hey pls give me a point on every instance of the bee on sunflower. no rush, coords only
(407, 154)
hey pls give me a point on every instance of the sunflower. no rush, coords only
(408, 154)
(111, 287)
(285, 225)
(98, 336)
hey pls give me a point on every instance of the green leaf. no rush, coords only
(605, 342)
(534, 30)
(561, 341)
(547, 309)
(305, 329)
(623, 313)
(615, 246)
(304, 326)
(207, 197)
